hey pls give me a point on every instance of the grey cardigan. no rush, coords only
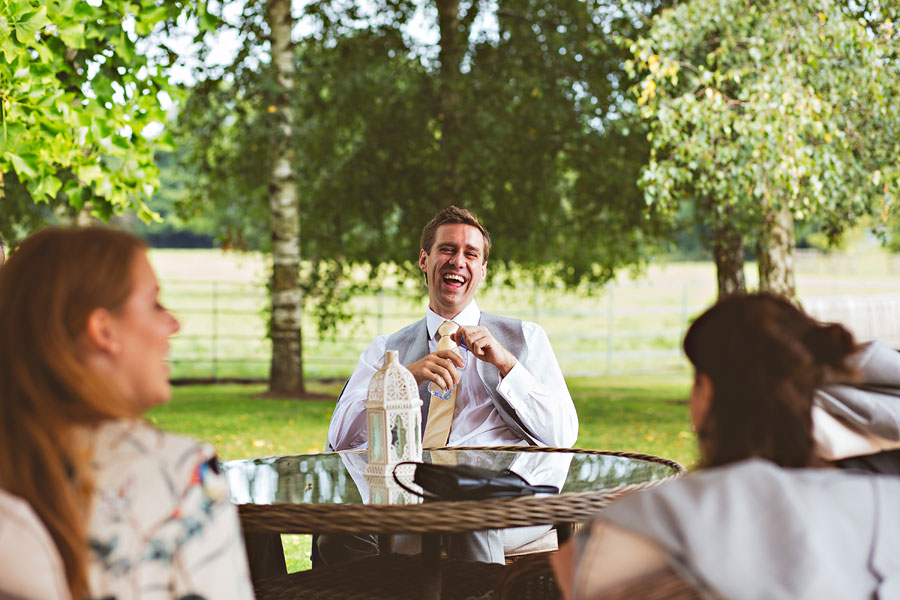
(753, 530)
(873, 403)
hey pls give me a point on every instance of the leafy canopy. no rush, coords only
(79, 96)
(528, 120)
(753, 106)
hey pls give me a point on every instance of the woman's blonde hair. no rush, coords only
(48, 288)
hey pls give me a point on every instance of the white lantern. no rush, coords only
(394, 418)
(384, 490)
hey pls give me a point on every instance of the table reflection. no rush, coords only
(337, 477)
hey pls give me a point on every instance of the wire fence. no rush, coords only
(626, 327)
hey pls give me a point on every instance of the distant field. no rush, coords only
(632, 326)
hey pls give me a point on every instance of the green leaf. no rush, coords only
(9, 49)
(27, 28)
(89, 173)
(72, 35)
(85, 11)
(48, 186)
(11, 135)
(122, 143)
(112, 162)
(25, 165)
(64, 7)
(71, 188)
(148, 18)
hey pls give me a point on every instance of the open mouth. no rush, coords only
(454, 280)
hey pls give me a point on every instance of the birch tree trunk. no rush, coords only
(728, 253)
(775, 255)
(454, 30)
(286, 372)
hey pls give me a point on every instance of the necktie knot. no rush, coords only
(447, 329)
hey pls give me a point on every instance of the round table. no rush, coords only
(318, 493)
(328, 493)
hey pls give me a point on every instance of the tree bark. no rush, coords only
(286, 372)
(454, 32)
(775, 254)
(728, 253)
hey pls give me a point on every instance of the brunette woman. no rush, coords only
(760, 520)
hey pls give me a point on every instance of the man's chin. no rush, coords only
(451, 305)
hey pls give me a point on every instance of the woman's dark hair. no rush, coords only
(765, 358)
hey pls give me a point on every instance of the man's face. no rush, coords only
(454, 268)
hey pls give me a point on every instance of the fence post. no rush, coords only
(610, 315)
(215, 330)
(380, 319)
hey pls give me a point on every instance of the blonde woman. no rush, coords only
(131, 511)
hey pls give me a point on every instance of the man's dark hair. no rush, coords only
(450, 216)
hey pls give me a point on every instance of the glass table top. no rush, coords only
(338, 477)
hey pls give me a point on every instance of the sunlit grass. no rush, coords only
(240, 424)
(637, 413)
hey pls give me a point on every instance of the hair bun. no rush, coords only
(830, 344)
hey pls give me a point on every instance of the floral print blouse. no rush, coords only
(161, 525)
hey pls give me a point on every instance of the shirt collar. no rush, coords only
(468, 317)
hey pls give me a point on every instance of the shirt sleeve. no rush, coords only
(537, 391)
(209, 559)
(347, 430)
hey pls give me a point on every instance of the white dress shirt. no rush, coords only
(536, 390)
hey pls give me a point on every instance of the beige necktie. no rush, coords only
(440, 411)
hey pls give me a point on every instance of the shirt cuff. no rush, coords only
(517, 384)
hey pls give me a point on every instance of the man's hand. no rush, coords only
(441, 367)
(482, 344)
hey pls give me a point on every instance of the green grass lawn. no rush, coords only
(636, 413)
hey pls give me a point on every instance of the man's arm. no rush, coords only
(348, 422)
(536, 389)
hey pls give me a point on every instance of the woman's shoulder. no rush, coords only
(122, 441)
(160, 514)
(134, 459)
(751, 483)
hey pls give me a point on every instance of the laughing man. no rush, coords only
(513, 394)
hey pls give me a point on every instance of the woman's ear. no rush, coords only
(100, 331)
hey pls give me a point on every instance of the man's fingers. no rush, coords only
(444, 370)
(479, 342)
(452, 356)
(439, 367)
(460, 338)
